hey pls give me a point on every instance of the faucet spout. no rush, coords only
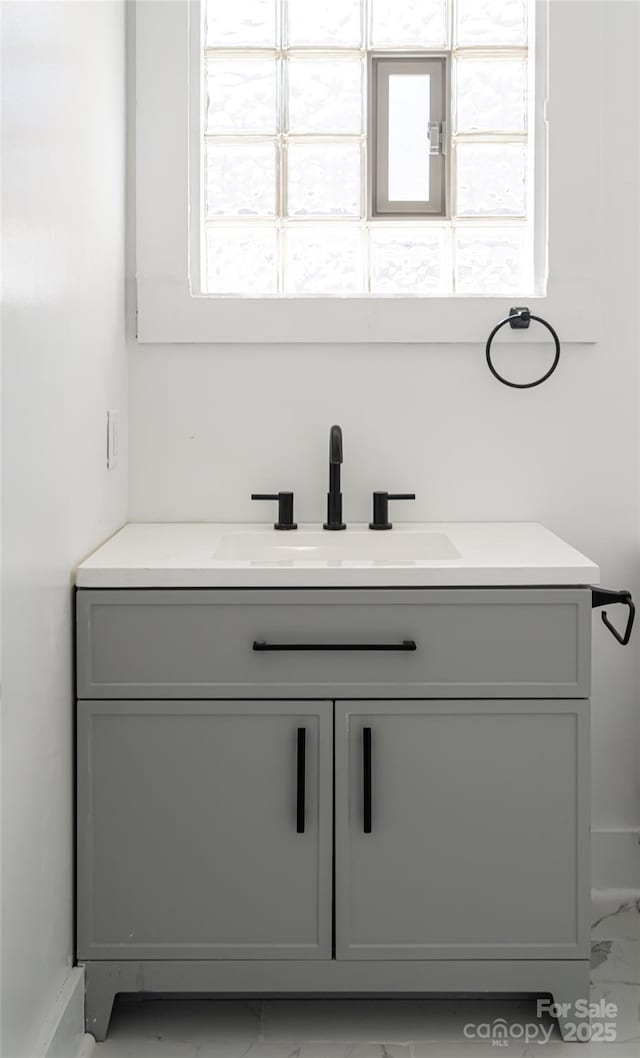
(334, 496)
(335, 445)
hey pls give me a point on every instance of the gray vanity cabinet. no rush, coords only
(189, 842)
(193, 873)
(478, 842)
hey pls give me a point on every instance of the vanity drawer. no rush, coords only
(201, 643)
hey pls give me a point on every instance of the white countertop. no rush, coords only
(478, 554)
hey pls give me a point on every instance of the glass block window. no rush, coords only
(298, 137)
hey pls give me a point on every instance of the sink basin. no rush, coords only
(308, 546)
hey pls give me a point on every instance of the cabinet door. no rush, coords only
(479, 830)
(189, 830)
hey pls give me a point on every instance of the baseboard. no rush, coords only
(63, 1035)
(615, 859)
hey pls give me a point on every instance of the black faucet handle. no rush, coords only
(285, 507)
(381, 507)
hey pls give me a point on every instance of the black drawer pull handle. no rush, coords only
(366, 779)
(301, 781)
(261, 647)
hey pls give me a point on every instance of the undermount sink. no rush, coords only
(309, 546)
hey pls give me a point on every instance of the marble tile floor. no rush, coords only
(390, 1028)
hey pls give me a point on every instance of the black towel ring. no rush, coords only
(520, 319)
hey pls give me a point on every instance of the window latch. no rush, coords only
(434, 133)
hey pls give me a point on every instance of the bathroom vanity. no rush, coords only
(308, 767)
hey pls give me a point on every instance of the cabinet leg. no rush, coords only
(570, 1006)
(101, 988)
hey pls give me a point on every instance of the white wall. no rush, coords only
(209, 424)
(64, 364)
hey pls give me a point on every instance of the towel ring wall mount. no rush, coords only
(520, 319)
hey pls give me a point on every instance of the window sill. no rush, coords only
(168, 313)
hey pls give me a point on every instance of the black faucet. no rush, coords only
(334, 496)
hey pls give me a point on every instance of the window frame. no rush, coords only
(381, 66)
(165, 105)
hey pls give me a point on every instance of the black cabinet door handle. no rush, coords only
(301, 779)
(366, 779)
(261, 647)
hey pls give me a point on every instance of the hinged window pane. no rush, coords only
(409, 121)
(408, 162)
